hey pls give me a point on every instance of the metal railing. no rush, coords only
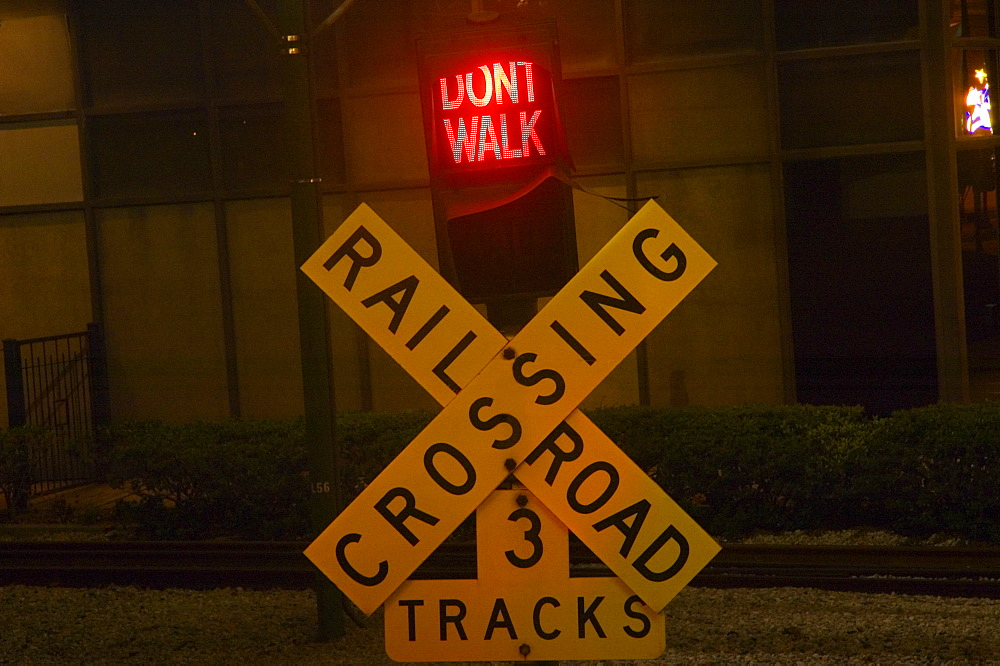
(60, 383)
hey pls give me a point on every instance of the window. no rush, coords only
(330, 145)
(150, 154)
(851, 100)
(141, 52)
(37, 73)
(800, 25)
(709, 113)
(39, 163)
(591, 113)
(973, 72)
(253, 148)
(859, 263)
(657, 30)
(974, 18)
(246, 58)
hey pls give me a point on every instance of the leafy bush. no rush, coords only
(234, 478)
(369, 442)
(238, 478)
(934, 469)
(20, 446)
(734, 469)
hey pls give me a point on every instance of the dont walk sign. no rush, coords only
(510, 407)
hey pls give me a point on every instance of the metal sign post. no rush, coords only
(317, 372)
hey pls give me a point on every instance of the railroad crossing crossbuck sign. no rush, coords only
(511, 406)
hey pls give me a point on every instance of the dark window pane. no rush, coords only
(150, 154)
(324, 50)
(974, 18)
(860, 282)
(378, 44)
(657, 30)
(977, 183)
(851, 100)
(591, 115)
(141, 52)
(330, 146)
(801, 24)
(246, 55)
(253, 150)
(324, 63)
(587, 35)
(588, 40)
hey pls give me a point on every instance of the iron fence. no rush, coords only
(59, 382)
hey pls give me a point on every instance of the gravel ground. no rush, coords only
(121, 625)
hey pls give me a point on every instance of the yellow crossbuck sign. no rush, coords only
(510, 406)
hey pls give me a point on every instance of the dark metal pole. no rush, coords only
(15, 383)
(307, 223)
(100, 402)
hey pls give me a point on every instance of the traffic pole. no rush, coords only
(317, 370)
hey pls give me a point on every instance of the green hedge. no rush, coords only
(933, 469)
(737, 470)
(234, 478)
(740, 469)
(20, 449)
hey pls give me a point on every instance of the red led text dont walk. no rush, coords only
(503, 135)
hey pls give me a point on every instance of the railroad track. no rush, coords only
(943, 571)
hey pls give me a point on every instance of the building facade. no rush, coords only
(836, 159)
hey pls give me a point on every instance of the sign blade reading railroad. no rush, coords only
(502, 409)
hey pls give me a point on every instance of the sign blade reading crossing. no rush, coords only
(512, 410)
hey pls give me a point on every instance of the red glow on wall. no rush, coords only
(491, 114)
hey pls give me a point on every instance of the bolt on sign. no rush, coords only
(510, 406)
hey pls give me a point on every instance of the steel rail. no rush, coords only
(942, 571)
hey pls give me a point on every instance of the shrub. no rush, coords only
(238, 478)
(934, 469)
(736, 470)
(739, 469)
(234, 478)
(20, 446)
(369, 442)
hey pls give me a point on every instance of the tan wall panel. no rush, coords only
(348, 343)
(587, 38)
(702, 114)
(163, 313)
(44, 279)
(597, 221)
(40, 163)
(265, 313)
(410, 214)
(385, 138)
(722, 345)
(37, 72)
